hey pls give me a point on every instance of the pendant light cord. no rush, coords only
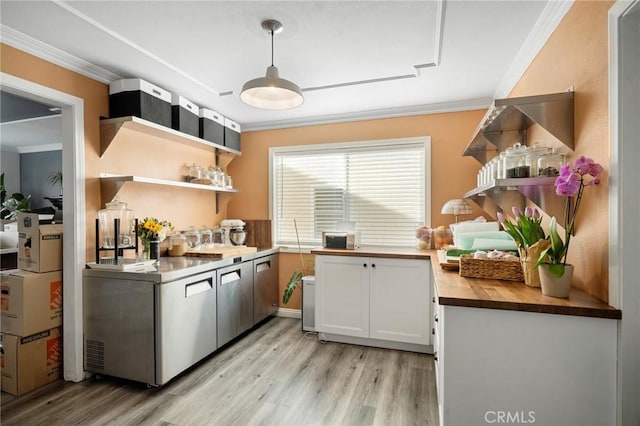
(271, 47)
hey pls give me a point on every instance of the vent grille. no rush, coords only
(94, 351)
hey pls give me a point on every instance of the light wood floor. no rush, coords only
(275, 375)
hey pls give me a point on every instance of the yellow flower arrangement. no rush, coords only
(151, 228)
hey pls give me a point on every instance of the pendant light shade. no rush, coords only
(271, 91)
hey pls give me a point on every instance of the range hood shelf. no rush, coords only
(507, 120)
(503, 194)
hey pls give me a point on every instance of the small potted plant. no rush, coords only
(526, 230)
(555, 273)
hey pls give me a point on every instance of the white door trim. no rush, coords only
(73, 215)
(624, 202)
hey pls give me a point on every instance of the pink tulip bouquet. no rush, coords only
(526, 229)
(571, 184)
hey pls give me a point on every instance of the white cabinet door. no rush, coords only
(400, 302)
(342, 295)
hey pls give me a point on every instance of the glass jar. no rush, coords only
(206, 238)
(193, 238)
(515, 162)
(532, 155)
(195, 172)
(116, 209)
(501, 172)
(549, 164)
(177, 245)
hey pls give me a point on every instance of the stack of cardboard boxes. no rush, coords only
(31, 306)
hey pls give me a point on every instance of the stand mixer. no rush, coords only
(233, 233)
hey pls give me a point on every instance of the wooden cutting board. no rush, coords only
(221, 252)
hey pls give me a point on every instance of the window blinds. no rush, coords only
(379, 186)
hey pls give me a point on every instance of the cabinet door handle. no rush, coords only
(433, 330)
(373, 265)
(435, 319)
(435, 357)
(433, 299)
(364, 265)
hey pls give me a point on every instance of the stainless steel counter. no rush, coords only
(174, 268)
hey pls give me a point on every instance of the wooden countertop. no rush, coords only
(378, 251)
(454, 290)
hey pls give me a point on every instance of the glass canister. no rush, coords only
(532, 154)
(549, 164)
(117, 209)
(193, 238)
(177, 245)
(195, 172)
(515, 162)
(501, 172)
(206, 238)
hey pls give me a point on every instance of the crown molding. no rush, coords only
(54, 55)
(26, 149)
(438, 108)
(546, 24)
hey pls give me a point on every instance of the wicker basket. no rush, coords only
(490, 268)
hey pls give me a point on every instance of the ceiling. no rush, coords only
(353, 59)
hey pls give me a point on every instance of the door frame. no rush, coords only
(73, 216)
(624, 203)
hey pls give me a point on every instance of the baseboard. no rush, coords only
(289, 313)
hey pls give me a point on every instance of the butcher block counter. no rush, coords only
(454, 290)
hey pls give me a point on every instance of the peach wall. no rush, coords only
(451, 174)
(577, 55)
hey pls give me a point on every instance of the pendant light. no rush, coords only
(271, 91)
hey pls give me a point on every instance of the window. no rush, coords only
(380, 185)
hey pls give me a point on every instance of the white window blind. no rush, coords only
(379, 185)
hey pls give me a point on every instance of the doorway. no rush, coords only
(624, 199)
(73, 215)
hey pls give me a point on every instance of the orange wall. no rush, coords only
(577, 55)
(451, 174)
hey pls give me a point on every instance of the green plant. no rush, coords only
(55, 178)
(571, 183)
(295, 280)
(526, 230)
(13, 205)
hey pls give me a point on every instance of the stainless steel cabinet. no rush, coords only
(148, 331)
(187, 332)
(235, 301)
(265, 287)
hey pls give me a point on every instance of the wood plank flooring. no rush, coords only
(275, 375)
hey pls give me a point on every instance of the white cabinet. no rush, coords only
(528, 367)
(399, 302)
(342, 295)
(383, 301)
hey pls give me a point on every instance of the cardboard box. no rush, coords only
(39, 246)
(31, 302)
(134, 96)
(27, 363)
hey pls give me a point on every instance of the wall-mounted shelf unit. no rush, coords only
(110, 185)
(503, 194)
(507, 121)
(110, 127)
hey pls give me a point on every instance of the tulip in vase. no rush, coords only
(526, 230)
